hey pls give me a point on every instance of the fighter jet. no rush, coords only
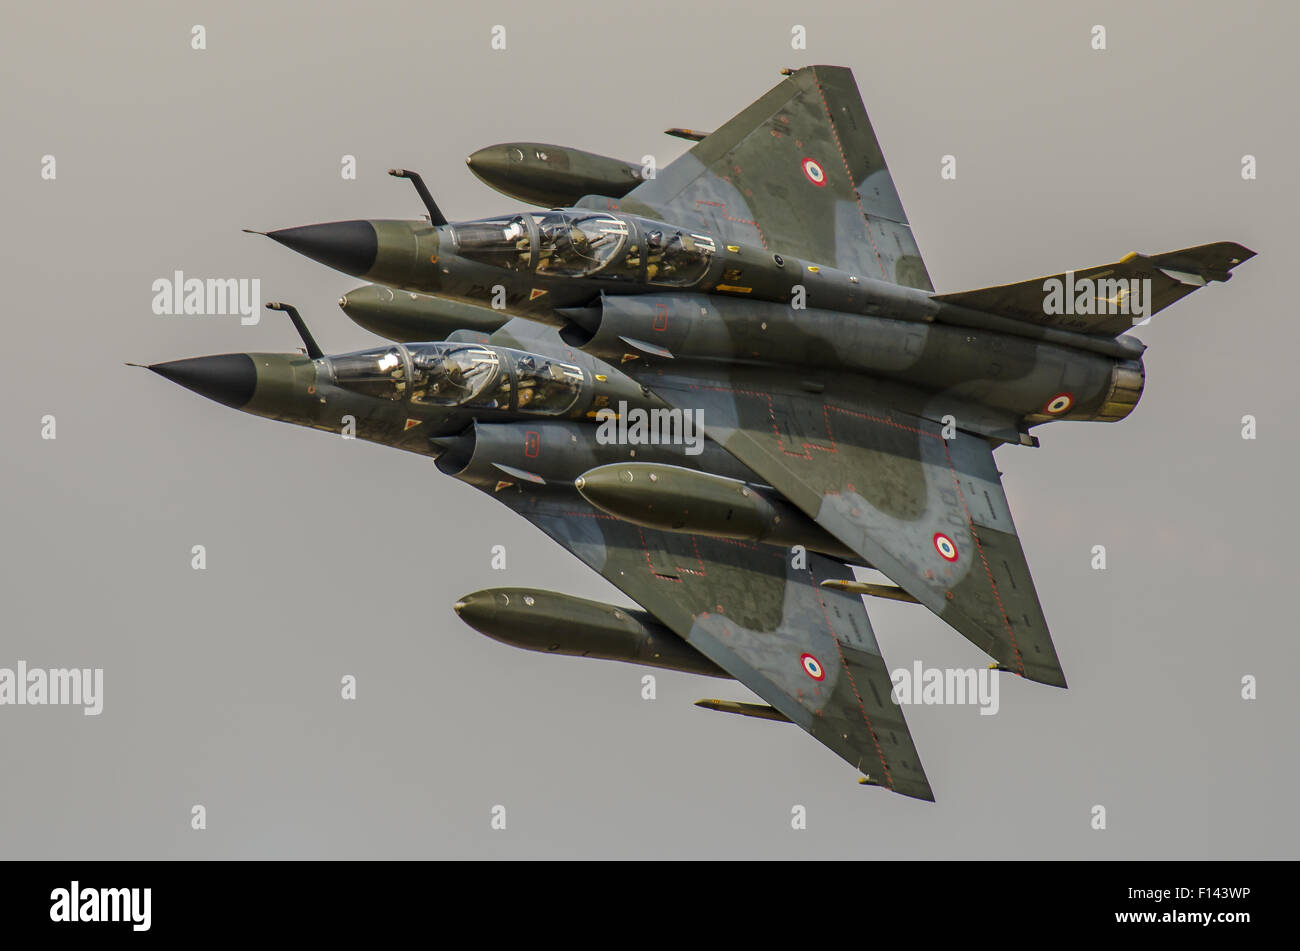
(767, 285)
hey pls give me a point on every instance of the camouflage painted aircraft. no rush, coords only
(767, 285)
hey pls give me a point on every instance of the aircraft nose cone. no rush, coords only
(348, 246)
(229, 378)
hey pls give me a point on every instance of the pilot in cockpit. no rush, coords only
(516, 233)
(563, 245)
(654, 250)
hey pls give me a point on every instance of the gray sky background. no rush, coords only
(328, 558)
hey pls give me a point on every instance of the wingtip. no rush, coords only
(916, 789)
(1053, 678)
(921, 791)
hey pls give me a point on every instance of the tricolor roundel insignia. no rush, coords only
(812, 667)
(945, 547)
(1058, 404)
(813, 171)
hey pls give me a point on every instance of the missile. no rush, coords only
(760, 711)
(553, 623)
(674, 499)
(551, 175)
(888, 591)
(408, 318)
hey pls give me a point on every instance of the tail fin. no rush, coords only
(1109, 299)
(799, 171)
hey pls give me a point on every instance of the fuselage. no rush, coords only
(664, 291)
(496, 417)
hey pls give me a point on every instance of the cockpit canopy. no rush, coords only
(458, 374)
(580, 245)
(588, 244)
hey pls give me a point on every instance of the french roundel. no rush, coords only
(945, 547)
(812, 667)
(1058, 404)
(814, 172)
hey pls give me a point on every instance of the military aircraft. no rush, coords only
(765, 285)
